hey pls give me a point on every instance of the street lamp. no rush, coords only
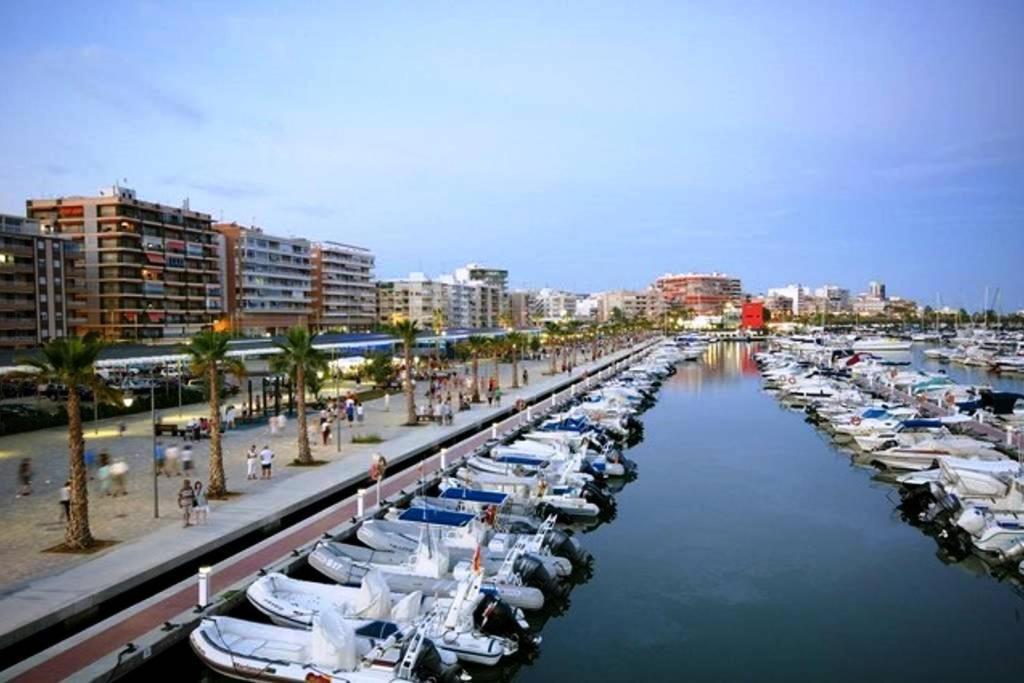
(156, 472)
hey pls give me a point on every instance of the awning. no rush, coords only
(177, 245)
(155, 316)
(155, 258)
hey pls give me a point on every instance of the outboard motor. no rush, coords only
(595, 495)
(564, 545)
(1013, 552)
(532, 572)
(495, 617)
(430, 667)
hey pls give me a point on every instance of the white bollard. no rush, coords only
(1009, 435)
(444, 456)
(981, 417)
(494, 431)
(387, 402)
(204, 586)
(553, 401)
(572, 390)
(529, 414)
(359, 502)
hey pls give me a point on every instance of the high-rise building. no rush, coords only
(495, 277)
(37, 271)
(471, 304)
(633, 304)
(149, 270)
(344, 296)
(269, 280)
(876, 289)
(835, 299)
(553, 305)
(520, 304)
(702, 293)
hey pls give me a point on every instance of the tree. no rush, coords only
(516, 343)
(300, 360)
(381, 369)
(496, 347)
(572, 330)
(535, 343)
(438, 323)
(406, 331)
(208, 353)
(477, 346)
(553, 333)
(71, 362)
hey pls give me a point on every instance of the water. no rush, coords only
(751, 549)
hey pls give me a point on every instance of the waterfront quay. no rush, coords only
(113, 647)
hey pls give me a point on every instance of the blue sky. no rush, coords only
(581, 145)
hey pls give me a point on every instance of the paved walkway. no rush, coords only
(148, 545)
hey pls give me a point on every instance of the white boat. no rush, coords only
(882, 344)
(330, 652)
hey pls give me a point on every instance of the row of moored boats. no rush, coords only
(449, 581)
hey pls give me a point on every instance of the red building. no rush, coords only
(752, 316)
(702, 293)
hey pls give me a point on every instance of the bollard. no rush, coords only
(1009, 436)
(981, 417)
(387, 402)
(553, 400)
(204, 586)
(494, 431)
(359, 499)
(444, 454)
(572, 390)
(529, 414)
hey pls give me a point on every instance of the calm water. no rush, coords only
(750, 549)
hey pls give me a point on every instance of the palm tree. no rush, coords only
(406, 330)
(553, 332)
(516, 343)
(301, 361)
(208, 352)
(572, 330)
(477, 347)
(71, 362)
(496, 347)
(438, 322)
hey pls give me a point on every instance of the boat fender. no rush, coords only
(792, 380)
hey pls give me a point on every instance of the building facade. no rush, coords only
(473, 304)
(149, 271)
(269, 280)
(647, 303)
(37, 273)
(344, 296)
(702, 293)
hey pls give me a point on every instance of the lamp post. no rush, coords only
(156, 473)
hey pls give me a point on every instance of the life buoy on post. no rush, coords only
(792, 380)
(378, 465)
(855, 420)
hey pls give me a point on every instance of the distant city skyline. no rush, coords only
(584, 148)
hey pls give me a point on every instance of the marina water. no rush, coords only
(749, 548)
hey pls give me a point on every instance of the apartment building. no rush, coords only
(269, 280)
(464, 304)
(647, 303)
(703, 293)
(37, 272)
(148, 270)
(344, 296)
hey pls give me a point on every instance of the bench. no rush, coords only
(161, 428)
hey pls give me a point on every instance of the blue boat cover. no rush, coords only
(919, 424)
(874, 413)
(432, 516)
(489, 497)
(520, 460)
(378, 630)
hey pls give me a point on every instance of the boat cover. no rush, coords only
(333, 644)
(476, 496)
(921, 424)
(436, 516)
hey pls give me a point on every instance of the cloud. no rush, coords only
(226, 190)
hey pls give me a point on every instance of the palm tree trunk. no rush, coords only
(217, 487)
(410, 396)
(554, 360)
(77, 535)
(476, 379)
(300, 404)
(515, 370)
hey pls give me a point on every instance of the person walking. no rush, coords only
(186, 501)
(250, 462)
(526, 376)
(25, 477)
(65, 501)
(497, 396)
(201, 504)
(350, 411)
(158, 458)
(360, 412)
(266, 461)
(171, 461)
(186, 459)
(119, 475)
(104, 476)
(325, 432)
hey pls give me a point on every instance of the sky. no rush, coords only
(583, 146)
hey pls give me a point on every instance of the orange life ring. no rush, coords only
(855, 421)
(792, 380)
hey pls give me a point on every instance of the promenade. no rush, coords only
(148, 547)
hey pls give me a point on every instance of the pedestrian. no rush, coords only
(25, 477)
(490, 395)
(186, 459)
(526, 376)
(230, 418)
(438, 416)
(360, 412)
(90, 460)
(104, 476)
(350, 411)
(171, 461)
(65, 502)
(325, 432)
(266, 460)
(273, 425)
(186, 501)
(158, 458)
(497, 396)
(282, 422)
(201, 505)
(118, 476)
(250, 462)
(121, 428)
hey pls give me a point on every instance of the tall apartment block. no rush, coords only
(465, 304)
(37, 271)
(149, 270)
(344, 295)
(269, 280)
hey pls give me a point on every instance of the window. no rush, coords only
(40, 245)
(42, 279)
(42, 298)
